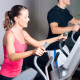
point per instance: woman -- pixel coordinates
(14, 42)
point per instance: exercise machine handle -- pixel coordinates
(72, 36)
(36, 65)
(60, 46)
(65, 34)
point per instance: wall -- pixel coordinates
(6, 5)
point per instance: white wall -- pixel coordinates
(6, 5)
(38, 26)
(75, 7)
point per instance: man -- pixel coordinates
(58, 19)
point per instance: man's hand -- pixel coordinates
(76, 27)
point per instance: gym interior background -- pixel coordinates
(38, 9)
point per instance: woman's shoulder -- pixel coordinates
(25, 32)
(9, 34)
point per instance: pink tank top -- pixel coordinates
(12, 69)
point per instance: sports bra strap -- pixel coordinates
(14, 34)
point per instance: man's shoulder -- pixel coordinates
(54, 9)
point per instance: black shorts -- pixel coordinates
(5, 78)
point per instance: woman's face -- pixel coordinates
(23, 18)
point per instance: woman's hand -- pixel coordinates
(39, 51)
(62, 37)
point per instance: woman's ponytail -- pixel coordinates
(7, 22)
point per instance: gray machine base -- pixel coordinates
(26, 75)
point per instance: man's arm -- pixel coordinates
(60, 30)
(75, 21)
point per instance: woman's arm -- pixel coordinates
(36, 43)
(17, 56)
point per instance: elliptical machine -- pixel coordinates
(74, 37)
(67, 69)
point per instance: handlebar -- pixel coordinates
(72, 36)
(36, 65)
(60, 46)
(38, 68)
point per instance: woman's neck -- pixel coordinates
(17, 28)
